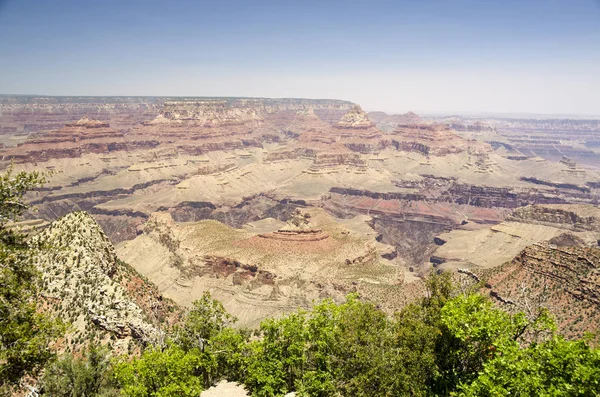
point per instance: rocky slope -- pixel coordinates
(542, 256)
(267, 267)
(565, 279)
(492, 246)
(85, 285)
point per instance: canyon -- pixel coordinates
(273, 204)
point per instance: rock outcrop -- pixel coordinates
(353, 132)
(572, 217)
(356, 118)
(73, 140)
(207, 113)
(563, 279)
(84, 283)
(430, 139)
(297, 229)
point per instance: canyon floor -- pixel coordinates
(274, 204)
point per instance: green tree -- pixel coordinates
(230, 349)
(25, 333)
(206, 319)
(329, 350)
(474, 333)
(362, 339)
(412, 360)
(205, 332)
(87, 376)
(552, 368)
(161, 373)
(278, 359)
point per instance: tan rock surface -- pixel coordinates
(491, 247)
(254, 276)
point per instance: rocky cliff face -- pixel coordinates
(84, 284)
(25, 115)
(73, 140)
(208, 113)
(563, 279)
(431, 139)
(573, 217)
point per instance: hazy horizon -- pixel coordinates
(432, 57)
(423, 113)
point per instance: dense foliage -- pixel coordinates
(201, 350)
(24, 332)
(446, 344)
(167, 372)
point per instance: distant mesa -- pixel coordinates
(87, 122)
(206, 113)
(459, 123)
(431, 139)
(86, 135)
(80, 127)
(410, 117)
(406, 118)
(355, 118)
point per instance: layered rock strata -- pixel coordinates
(563, 279)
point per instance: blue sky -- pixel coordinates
(518, 56)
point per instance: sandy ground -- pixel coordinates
(225, 389)
(230, 389)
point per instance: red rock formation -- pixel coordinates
(434, 139)
(563, 279)
(353, 131)
(25, 115)
(75, 139)
(296, 235)
(297, 230)
(188, 126)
